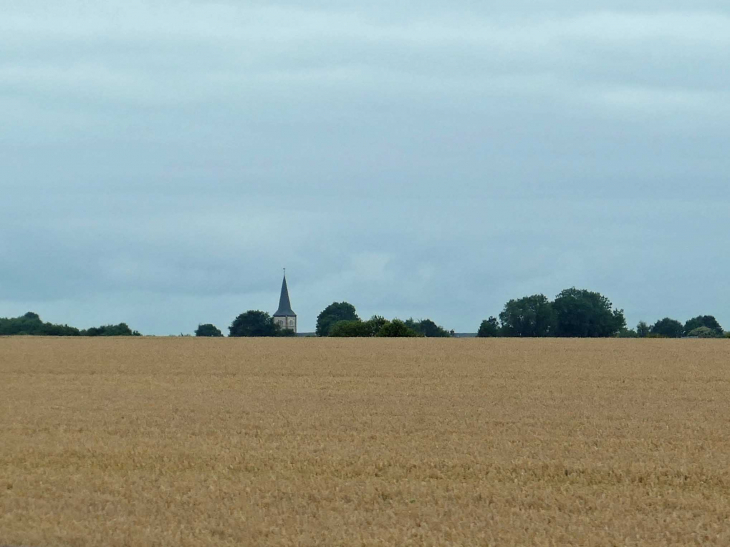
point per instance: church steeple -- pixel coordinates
(284, 316)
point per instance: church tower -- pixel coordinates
(284, 316)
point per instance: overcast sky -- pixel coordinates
(161, 162)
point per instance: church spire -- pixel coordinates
(284, 303)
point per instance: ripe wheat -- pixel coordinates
(209, 442)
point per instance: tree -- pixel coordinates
(31, 324)
(208, 330)
(253, 323)
(667, 328)
(704, 332)
(642, 329)
(702, 321)
(357, 328)
(489, 328)
(428, 328)
(585, 314)
(531, 316)
(627, 333)
(375, 323)
(337, 311)
(397, 329)
(350, 329)
(122, 329)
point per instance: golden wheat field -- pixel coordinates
(182, 442)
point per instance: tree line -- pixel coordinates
(574, 313)
(31, 324)
(339, 319)
(579, 313)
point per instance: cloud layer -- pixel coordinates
(161, 163)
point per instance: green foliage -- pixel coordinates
(31, 324)
(397, 329)
(254, 323)
(208, 330)
(643, 329)
(350, 329)
(668, 328)
(427, 328)
(704, 332)
(284, 333)
(585, 314)
(531, 316)
(357, 328)
(335, 312)
(375, 323)
(627, 333)
(489, 328)
(703, 321)
(122, 329)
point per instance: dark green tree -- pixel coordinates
(586, 314)
(337, 311)
(31, 324)
(704, 332)
(703, 321)
(208, 330)
(375, 323)
(357, 328)
(489, 328)
(397, 329)
(643, 329)
(122, 329)
(253, 323)
(428, 328)
(350, 329)
(667, 328)
(531, 316)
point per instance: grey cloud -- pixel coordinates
(161, 163)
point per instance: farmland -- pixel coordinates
(180, 441)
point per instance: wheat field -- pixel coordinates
(182, 442)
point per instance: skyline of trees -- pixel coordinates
(30, 324)
(574, 313)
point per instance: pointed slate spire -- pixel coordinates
(284, 304)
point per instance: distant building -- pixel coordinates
(284, 316)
